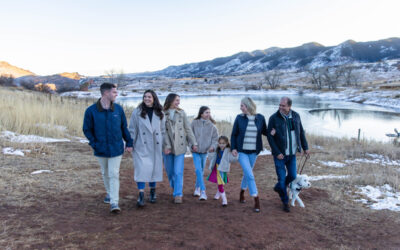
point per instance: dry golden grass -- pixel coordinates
(359, 174)
(28, 112)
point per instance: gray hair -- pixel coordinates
(251, 106)
(288, 100)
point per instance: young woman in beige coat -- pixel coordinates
(147, 128)
(178, 136)
(206, 134)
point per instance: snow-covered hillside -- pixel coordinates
(310, 55)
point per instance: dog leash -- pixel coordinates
(302, 162)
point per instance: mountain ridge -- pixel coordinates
(308, 55)
(14, 71)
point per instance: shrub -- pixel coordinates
(6, 80)
(46, 87)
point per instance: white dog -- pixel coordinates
(301, 181)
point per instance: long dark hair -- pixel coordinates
(228, 145)
(169, 100)
(201, 111)
(156, 105)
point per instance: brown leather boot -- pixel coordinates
(256, 204)
(241, 199)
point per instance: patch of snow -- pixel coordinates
(41, 171)
(321, 177)
(82, 94)
(333, 164)
(12, 151)
(80, 139)
(50, 126)
(383, 197)
(376, 97)
(317, 147)
(375, 159)
(13, 137)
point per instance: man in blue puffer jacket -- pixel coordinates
(105, 127)
(286, 136)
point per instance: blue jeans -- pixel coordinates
(288, 163)
(247, 161)
(174, 168)
(142, 185)
(199, 161)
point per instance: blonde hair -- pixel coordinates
(251, 106)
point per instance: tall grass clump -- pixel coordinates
(27, 112)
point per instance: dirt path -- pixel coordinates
(79, 220)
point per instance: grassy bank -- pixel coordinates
(28, 112)
(48, 115)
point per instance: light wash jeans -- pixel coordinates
(199, 161)
(110, 173)
(247, 161)
(174, 168)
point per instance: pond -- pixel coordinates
(321, 117)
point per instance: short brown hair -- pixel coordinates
(106, 86)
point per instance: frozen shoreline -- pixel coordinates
(378, 98)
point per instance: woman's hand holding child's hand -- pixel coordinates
(234, 152)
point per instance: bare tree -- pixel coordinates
(273, 78)
(315, 76)
(350, 77)
(121, 77)
(111, 75)
(331, 76)
(116, 77)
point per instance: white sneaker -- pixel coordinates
(196, 192)
(217, 195)
(224, 200)
(203, 196)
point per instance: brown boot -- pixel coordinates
(241, 199)
(256, 204)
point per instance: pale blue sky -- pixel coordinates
(91, 37)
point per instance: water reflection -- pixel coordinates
(325, 117)
(373, 124)
(340, 115)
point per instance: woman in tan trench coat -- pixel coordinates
(178, 137)
(147, 128)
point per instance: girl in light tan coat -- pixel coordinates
(178, 136)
